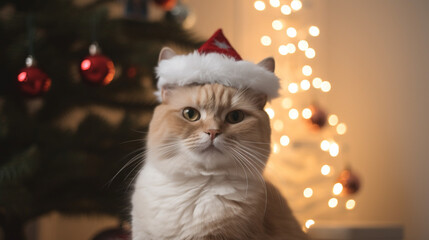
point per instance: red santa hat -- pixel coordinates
(216, 61)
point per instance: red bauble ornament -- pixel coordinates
(350, 181)
(97, 69)
(318, 117)
(33, 82)
(132, 72)
(113, 234)
(167, 5)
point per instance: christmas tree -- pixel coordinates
(64, 127)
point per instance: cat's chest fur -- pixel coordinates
(171, 208)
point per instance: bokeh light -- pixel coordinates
(284, 140)
(337, 189)
(302, 45)
(314, 31)
(308, 192)
(305, 84)
(275, 3)
(310, 53)
(283, 50)
(286, 10)
(277, 25)
(309, 223)
(278, 125)
(296, 5)
(293, 114)
(293, 88)
(276, 148)
(350, 204)
(334, 149)
(287, 103)
(291, 47)
(326, 86)
(333, 120)
(341, 128)
(325, 170)
(307, 70)
(266, 40)
(259, 5)
(291, 32)
(317, 82)
(306, 113)
(270, 112)
(324, 145)
(333, 202)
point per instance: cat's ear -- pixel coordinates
(268, 63)
(166, 93)
(260, 100)
(166, 53)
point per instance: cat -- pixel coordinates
(207, 147)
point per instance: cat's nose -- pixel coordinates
(213, 133)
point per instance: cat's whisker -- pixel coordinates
(167, 146)
(251, 150)
(239, 158)
(134, 178)
(254, 149)
(167, 152)
(257, 148)
(254, 158)
(250, 153)
(193, 146)
(246, 156)
(258, 142)
(259, 161)
(251, 157)
(192, 142)
(245, 160)
(141, 140)
(257, 173)
(236, 168)
(137, 131)
(262, 143)
(167, 149)
(244, 170)
(135, 175)
(129, 162)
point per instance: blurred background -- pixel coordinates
(350, 133)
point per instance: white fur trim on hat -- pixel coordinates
(196, 68)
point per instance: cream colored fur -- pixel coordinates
(192, 188)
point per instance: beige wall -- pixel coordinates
(378, 61)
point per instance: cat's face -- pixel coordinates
(203, 129)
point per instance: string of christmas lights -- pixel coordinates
(347, 183)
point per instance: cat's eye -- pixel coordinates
(191, 114)
(235, 116)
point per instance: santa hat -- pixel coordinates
(216, 61)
